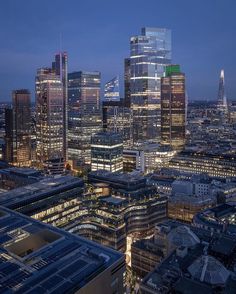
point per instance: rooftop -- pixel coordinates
(38, 258)
(22, 172)
(31, 191)
(113, 200)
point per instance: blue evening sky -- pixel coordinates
(96, 33)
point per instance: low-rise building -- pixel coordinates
(126, 205)
(184, 207)
(214, 164)
(145, 255)
(38, 258)
(147, 157)
(221, 218)
(195, 260)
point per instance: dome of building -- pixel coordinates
(209, 270)
(182, 236)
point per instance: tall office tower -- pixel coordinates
(18, 123)
(117, 118)
(85, 117)
(222, 104)
(173, 108)
(60, 68)
(107, 152)
(127, 76)
(49, 119)
(149, 54)
(112, 91)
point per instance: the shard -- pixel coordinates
(222, 101)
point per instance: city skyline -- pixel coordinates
(118, 148)
(203, 46)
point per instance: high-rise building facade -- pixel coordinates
(85, 115)
(117, 117)
(18, 122)
(60, 68)
(112, 90)
(107, 152)
(222, 101)
(173, 108)
(149, 54)
(127, 76)
(49, 116)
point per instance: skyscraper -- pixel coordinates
(49, 117)
(117, 118)
(60, 68)
(85, 116)
(149, 54)
(111, 90)
(173, 108)
(18, 122)
(222, 104)
(127, 76)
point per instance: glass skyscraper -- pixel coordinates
(49, 116)
(173, 108)
(127, 81)
(18, 133)
(111, 90)
(149, 54)
(85, 114)
(60, 68)
(117, 117)
(222, 101)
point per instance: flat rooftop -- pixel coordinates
(31, 191)
(113, 200)
(117, 176)
(21, 171)
(38, 258)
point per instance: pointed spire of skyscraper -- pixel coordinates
(222, 101)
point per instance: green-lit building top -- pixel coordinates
(173, 68)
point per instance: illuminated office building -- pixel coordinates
(147, 157)
(126, 206)
(85, 115)
(214, 164)
(184, 207)
(107, 152)
(173, 108)
(60, 68)
(49, 117)
(150, 52)
(18, 122)
(117, 117)
(37, 258)
(232, 112)
(112, 91)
